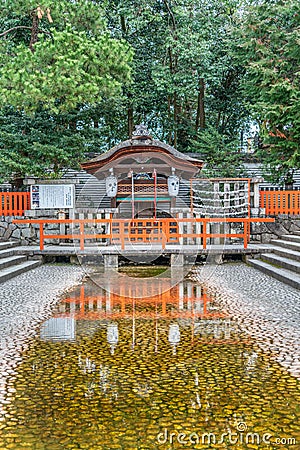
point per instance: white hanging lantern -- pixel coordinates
(111, 183)
(173, 185)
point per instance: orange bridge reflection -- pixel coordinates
(185, 306)
(185, 301)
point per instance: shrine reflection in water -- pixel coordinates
(121, 370)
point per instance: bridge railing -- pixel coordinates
(14, 203)
(280, 202)
(186, 231)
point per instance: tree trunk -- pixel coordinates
(218, 119)
(200, 119)
(130, 119)
(175, 120)
(123, 25)
(242, 141)
(34, 31)
(169, 120)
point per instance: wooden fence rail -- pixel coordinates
(14, 203)
(128, 231)
(280, 202)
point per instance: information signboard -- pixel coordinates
(59, 329)
(52, 196)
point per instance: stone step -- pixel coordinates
(284, 275)
(286, 244)
(11, 261)
(287, 253)
(10, 272)
(8, 244)
(8, 252)
(290, 237)
(281, 261)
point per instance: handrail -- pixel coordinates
(14, 203)
(122, 231)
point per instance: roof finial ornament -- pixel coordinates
(141, 132)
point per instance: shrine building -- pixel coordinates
(144, 178)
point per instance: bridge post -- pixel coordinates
(226, 226)
(189, 227)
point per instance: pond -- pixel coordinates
(129, 368)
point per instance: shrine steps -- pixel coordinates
(12, 263)
(284, 261)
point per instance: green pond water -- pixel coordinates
(110, 371)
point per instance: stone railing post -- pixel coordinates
(255, 207)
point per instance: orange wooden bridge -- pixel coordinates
(122, 232)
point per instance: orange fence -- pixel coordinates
(280, 202)
(163, 231)
(14, 203)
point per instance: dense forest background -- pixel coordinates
(77, 76)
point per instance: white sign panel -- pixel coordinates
(52, 196)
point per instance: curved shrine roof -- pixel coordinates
(140, 144)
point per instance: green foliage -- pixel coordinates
(269, 41)
(58, 61)
(190, 70)
(178, 48)
(83, 15)
(73, 62)
(42, 145)
(219, 153)
(71, 69)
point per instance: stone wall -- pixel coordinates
(265, 232)
(25, 234)
(28, 234)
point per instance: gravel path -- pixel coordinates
(265, 308)
(25, 302)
